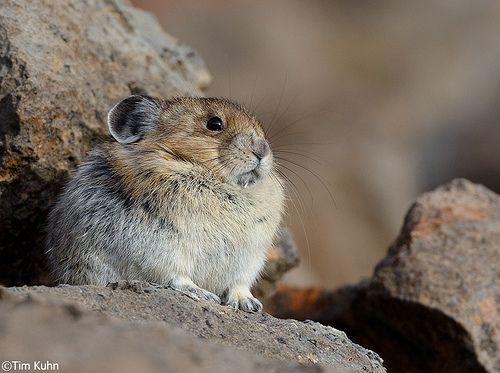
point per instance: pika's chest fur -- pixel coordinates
(188, 222)
(209, 218)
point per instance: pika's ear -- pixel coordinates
(132, 117)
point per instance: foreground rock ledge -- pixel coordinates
(433, 302)
(306, 343)
(81, 341)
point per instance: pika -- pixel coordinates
(186, 197)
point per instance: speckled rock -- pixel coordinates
(281, 257)
(62, 66)
(306, 343)
(433, 302)
(82, 341)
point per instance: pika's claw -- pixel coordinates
(232, 304)
(241, 298)
(250, 304)
(199, 293)
(187, 287)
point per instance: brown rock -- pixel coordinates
(315, 304)
(433, 302)
(82, 341)
(281, 257)
(62, 66)
(291, 341)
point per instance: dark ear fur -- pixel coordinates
(132, 117)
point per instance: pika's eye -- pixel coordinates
(215, 124)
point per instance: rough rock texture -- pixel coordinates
(433, 302)
(281, 257)
(81, 341)
(62, 66)
(288, 340)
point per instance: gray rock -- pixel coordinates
(62, 66)
(443, 274)
(82, 341)
(261, 334)
(281, 257)
(433, 302)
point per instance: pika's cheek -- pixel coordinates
(237, 158)
(267, 161)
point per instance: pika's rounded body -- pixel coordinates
(152, 210)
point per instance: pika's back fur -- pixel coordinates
(186, 197)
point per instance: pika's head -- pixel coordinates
(211, 132)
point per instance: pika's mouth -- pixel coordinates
(249, 178)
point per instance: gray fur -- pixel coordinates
(196, 233)
(132, 117)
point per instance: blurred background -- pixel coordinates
(367, 103)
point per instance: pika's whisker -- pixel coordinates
(311, 199)
(322, 180)
(316, 160)
(138, 208)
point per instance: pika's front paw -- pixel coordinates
(193, 291)
(244, 300)
(247, 304)
(134, 285)
(199, 293)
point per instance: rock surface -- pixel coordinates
(62, 66)
(433, 302)
(290, 341)
(281, 257)
(80, 341)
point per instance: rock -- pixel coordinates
(317, 304)
(62, 66)
(281, 257)
(433, 302)
(259, 334)
(82, 341)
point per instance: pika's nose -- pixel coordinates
(261, 149)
